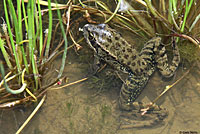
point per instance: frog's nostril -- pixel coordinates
(80, 29)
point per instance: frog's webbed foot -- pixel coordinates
(137, 118)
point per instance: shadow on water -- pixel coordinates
(91, 107)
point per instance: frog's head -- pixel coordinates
(96, 35)
(94, 29)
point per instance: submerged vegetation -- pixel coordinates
(28, 51)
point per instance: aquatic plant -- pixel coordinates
(26, 51)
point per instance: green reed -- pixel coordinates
(26, 49)
(8, 27)
(143, 22)
(66, 44)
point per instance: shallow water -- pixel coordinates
(91, 107)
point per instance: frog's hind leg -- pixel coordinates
(132, 114)
(131, 89)
(134, 118)
(164, 68)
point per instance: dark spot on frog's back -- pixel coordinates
(138, 62)
(143, 63)
(129, 63)
(96, 34)
(107, 45)
(123, 42)
(133, 57)
(109, 40)
(118, 44)
(129, 50)
(116, 38)
(137, 71)
(133, 64)
(126, 56)
(141, 70)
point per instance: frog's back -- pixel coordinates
(114, 45)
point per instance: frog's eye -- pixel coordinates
(91, 36)
(102, 25)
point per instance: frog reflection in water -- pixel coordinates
(110, 47)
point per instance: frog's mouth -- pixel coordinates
(90, 38)
(92, 41)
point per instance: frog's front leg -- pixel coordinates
(131, 89)
(96, 65)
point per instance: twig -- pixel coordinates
(144, 110)
(70, 84)
(32, 114)
(193, 40)
(76, 44)
(115, 12)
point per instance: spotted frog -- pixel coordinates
(112, 48)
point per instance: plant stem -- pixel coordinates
(11, 38)
(66, 44)
(49, 30)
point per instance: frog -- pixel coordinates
(109, 46)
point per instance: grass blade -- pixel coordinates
(40, 28)
(66, 44)
(5, 54)
(11, 38)
(187, 10)
(30, 10)
(195, 21)
(49, 30)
